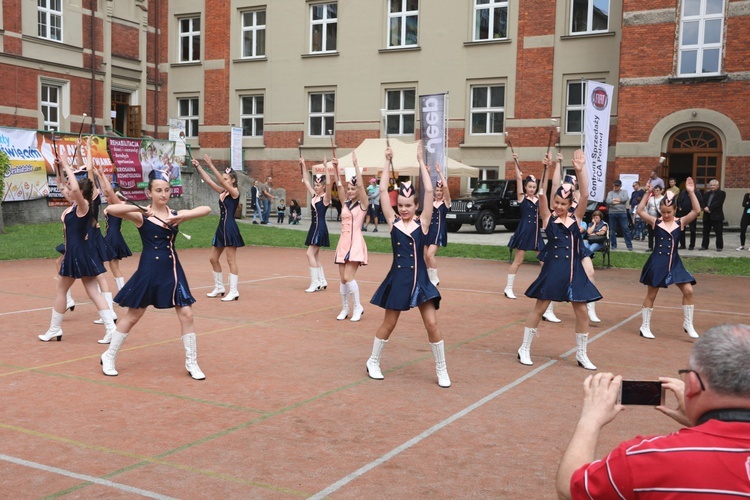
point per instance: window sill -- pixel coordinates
(597, 34)
(320, 54)
(250, 59)
(51, 43)
(474, 43)
(400, 49)
(697, 79)
(185, 64)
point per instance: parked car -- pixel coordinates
(492, 202)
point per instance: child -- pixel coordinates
(664, 267)
(280, 209)
(407, 284)
(563, 277)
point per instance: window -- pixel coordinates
(322, 106)
(487, 109)
(490, 19)
(403, 21)
(251, 114)
(399, 111)
(485, 174)
(50, 103)
(254, 34)
(190, 39)
(49, 19)
(576, 106)
(701, 30)
(323, 27)
(187, 109)
(589, 16)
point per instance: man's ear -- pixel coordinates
(692, 385)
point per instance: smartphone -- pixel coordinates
(641, 392)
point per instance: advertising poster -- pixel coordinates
(596, 132)
(26, 178)
(134, 159)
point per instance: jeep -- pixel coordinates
(491, 202)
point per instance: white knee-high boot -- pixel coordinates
(110, 355)
(524, 352)
(54, 331)
(109, 323)
(344, 291)
(438, 351)
(357, 309)
(120, 282)
(69, 302)
(233, 293)
(373, 364)
(110, 304)
(687, 324)
(591, 307)
(314, 280)
(645, 329)
(508, 292)
(322, 278)
(549, 315)
(191, 356)
(582, 340)
(218, 286)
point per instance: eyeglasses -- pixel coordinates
(700, 381)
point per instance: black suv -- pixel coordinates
(491, 202)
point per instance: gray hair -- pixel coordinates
(721, 357)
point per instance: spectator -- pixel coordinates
(639, 228)
(295, 212)
(595, 232)
(684, 205)
(267, 198)
(745, 221)
(255, 202)
(280, 212)
(708, 457)
(393, 195)
(617, 201)
(655, 180)
(673, 186)
(335, 201)
(373, 207)
(713, 216)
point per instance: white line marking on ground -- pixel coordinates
(359, 472)
(83, 477)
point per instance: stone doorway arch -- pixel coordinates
(694, 152)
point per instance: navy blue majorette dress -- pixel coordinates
(664, 266)
(116, 245)
(438, 234)
(407, 284)
(228, 233)
(317, 235)
(562, 277)
(528, 234)
(79, 258)
(159, 280)
(96, 240)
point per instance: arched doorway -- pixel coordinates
(694, 152)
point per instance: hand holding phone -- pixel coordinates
(641, 392)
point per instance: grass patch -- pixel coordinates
(35, 241)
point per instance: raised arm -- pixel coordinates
(364, 201)
(557, 173)
(579, 163)
(90, 168)
(428, 195)
(696, 206)
(107, 190)
(75, 190)
(340, 186)
(207, 178)
(446, 191)
(388, 212)
(327, 194)
(233, 191)
(519, 179)
(303, 172)
(641, 210)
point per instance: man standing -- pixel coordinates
(707, 458)
(255, 202)
(373, 207)
(684, 206)
(617, 203)
(713, 216)
(267, 198)
(638, 227)
(655, 180)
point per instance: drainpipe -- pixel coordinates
(157, 73)
(92, 104)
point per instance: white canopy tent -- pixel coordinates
(371, 158)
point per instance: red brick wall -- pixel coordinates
(125, 41)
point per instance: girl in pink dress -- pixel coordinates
(351, 251)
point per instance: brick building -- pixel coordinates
(290, 70)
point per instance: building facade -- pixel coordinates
(288, 72)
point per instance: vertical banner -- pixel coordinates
(236, 148)
(433, 129)
(26, 179)
(177, 135)
(596, 132)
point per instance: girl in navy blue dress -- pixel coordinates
(317, 235)
(407, 284)
(664, 267)
(562, 277)
(159, 280)
(79, 260)
(528, 234)
(227, 237)
(438, 235)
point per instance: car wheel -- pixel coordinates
(453, 227)
(485, 223)
(511, 226)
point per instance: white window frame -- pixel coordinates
(485, 174)
(402, 17)
(324, 25)
(191, 35)
(487, 109)
(492, 6)
(575, 108)
(589, 17)
(254, 30)
(50, 20)
(701, 47)
(252, 115)
(47, 104)
(402, 113)
(191, 117)
(325, 116)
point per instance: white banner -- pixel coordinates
(177, 135)
(236, 148)
(433, 126)
(596, 133)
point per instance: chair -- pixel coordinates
(605, 249)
